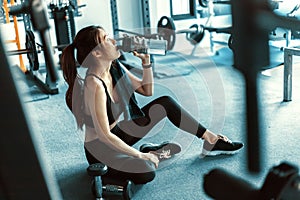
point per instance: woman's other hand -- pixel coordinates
(151, 157)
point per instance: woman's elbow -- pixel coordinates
(145, 90)
(148, 93)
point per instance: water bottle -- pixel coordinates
(149, 46)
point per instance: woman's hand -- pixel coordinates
(144, 57)
(140, 43)
(151, 157)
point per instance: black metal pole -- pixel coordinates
(251, 53)
(254, 136)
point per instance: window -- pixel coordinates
(183, 9)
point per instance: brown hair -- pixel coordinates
(84, 42)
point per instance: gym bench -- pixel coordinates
(287, 75)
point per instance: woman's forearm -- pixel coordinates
(147, 81)
(119, 145)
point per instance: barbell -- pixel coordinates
(167, 31)
(194, 34)
(32, 49)
(166, 28)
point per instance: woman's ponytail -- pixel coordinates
(68, 65)
(84, 42)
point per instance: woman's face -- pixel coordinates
(108, 46)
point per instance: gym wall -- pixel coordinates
(95, 12)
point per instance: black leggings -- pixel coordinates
(139, 171)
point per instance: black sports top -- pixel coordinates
(113, 109)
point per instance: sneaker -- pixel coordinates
(164, 150)
(222, 146)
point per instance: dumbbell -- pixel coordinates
(109, 191)
(116, 190)
(97, 170)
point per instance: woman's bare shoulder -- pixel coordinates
(94, 84)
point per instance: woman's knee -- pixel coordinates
(165, 99)
(169, 104)
(146, 172)
(143, 178)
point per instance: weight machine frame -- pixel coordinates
(44, 83)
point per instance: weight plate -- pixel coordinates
(197, 36)
(203, 3)
(230, 42)
(32, 54)
(166, 28)
(2, 15)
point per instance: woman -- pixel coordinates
(107, 92)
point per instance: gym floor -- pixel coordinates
(213, 92)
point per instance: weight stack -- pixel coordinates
(64, 25)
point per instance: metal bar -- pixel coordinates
(10, 41)
(288, 72)
(26, 21)
(254, 136)
(18, 52)
(17, 37)
(5, 6)
(147, 29)
(26, 18)
(187, 31)
(146, 16)
(114, 16)
(292, 51)
(130, 32)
